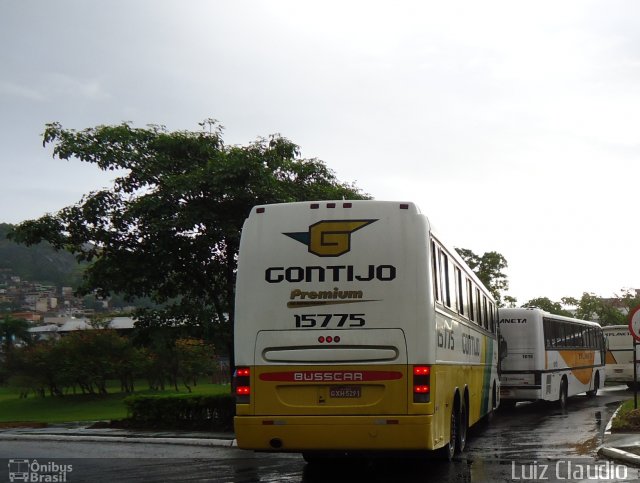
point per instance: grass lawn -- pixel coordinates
(627, 419)
(80, 407)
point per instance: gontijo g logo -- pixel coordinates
(329, 238)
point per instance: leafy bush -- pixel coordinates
(87, 359)
(182, 411)
(626, 419)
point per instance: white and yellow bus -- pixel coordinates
(358, 330)
(619, 359)
(548, 357)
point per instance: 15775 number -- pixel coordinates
(307, 321)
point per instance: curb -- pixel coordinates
(121, 439)
(616, 453)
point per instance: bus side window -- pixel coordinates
(478, 308)
(560, 333)
(444, 277)
(457, 279)
(472, 312)
(546, 330)
(564, 337)
(587, 337)
(492, 317)
(571, 336)
(436, 272)
(600, 340)
(553, 332)
(559, 330)
(485, 313)
(577, 335)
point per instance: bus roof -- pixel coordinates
(388, 208)
(615, 327)
(543, 313)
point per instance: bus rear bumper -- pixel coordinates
(336, 433)
(520, 393)
(619, 373)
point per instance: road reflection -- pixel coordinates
(389, 470)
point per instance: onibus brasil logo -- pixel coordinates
(329, 238)
(34, 471)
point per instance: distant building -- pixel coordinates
(42, 305)
(121, 323)
(65, 325)
(44, 332)
(55, 320)
(72, 325)
(28, 316)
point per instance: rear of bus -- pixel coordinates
(522, 357)
(328, 303)
(619, 358)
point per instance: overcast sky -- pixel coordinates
(515, 126)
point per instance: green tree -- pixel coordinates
(11, 330)
(588, 306)
(169, 227)
(489, 268)
(510, 301)
(606, 311)
(629, 299)
(547, 305)
(195, 358)
(97, 356)
(40, 368)
(84, 359)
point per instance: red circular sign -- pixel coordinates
(634, 323)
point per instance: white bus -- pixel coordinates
(358, 330)
(548, 357)
(619, 360)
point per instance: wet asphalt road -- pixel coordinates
(514, 446)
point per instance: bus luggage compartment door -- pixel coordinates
(335, 372)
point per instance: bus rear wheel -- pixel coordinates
(596, 386)
(461, 441)
(448, 451)
(563, 397)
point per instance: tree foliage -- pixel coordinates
(547, 305)
(606, 311)
(86, 360)
(13, 329)
(169, 227)
(489, 268)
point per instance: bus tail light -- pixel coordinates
(421, 384)
(242, 385)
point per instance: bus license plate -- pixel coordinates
(344, 391)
